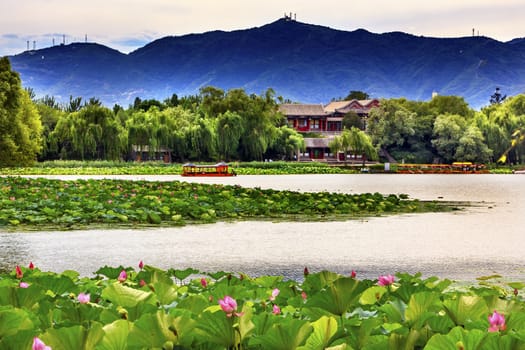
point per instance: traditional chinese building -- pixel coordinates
(323, 121)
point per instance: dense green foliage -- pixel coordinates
(82, 203)
(236, 126)
(445, 129)
(20, 127)
(145, 307)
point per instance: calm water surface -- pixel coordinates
(486, 238)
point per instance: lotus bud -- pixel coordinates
(122, 276)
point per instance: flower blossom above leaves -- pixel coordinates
(39, 345)
(229, 306)
(353, 274)
(122, 276)
(303, 295)
(385, 280)
(23, 285)
(275, 293)
(19, 273)
(204, 283)
(31, 266)
(83, 298)
(141, 264)
(497, 322)
(276, 310)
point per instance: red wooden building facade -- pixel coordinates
(327, 121)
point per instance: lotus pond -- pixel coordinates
(147, 307)
(160, 168)
(37, 203)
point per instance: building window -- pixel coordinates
(315, 124)
(302, 123)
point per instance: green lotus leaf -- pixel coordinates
(457, 338)
(194, 303)
(21, 297)
(14, 320)
(372, 295)
(287, 334)
(75, 337)
(57, 284)
(465, 309)
(215, 327)
(338, 296)
(422, 306)
(324, 329)
(115, 336)
(131, 302)
(394, 310)
(183, 274)
(317, 281)
(153, 330)
(23, 339)
(110, 272)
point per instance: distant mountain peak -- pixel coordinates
(300, 61)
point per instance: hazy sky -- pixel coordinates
(128, 24)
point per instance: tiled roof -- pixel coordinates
(332, 106)
(293, 109)
(317, 142)
(343, 105)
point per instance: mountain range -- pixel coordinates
(302, 62)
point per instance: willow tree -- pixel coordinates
(260, 122)
(287, 143)
(20, 125)
(354, 141)
(91, 133)
(161, 130)
(228, 130)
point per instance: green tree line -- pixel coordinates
(234, 125)
(445, 129)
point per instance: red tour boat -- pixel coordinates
(219, 169)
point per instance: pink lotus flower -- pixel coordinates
(141, 264)
(303, 295)
(39, 345)
(19, 273)
(497, 322)
(385, 280)
(142, 283)
(31, 266)
(306, 272)
(204, 283)
(353, 274)
(275, 293)
(23, 285)
(229, 306)
(122, 276)
(83, 298)
(276, 310)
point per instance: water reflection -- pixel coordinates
(483, 240)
